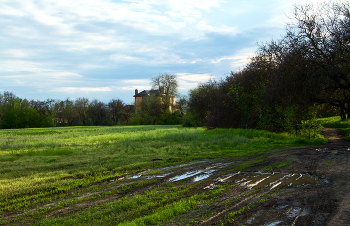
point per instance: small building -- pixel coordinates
(142, 96)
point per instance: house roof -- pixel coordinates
(147, 93)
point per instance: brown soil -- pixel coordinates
(326, 203)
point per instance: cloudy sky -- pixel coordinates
(105, 49)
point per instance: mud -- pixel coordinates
(311, 189)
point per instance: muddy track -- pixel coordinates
(300, 186)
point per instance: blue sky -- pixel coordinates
(105, 49)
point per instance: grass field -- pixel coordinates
(48, 169)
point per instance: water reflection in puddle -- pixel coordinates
(273, 180)
(200, 174)
(274, 223)
(186, 175)
(135, 177)
(203, 176)
(294, 213)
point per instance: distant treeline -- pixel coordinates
(22, 113)
(154, 110)
(289, 82)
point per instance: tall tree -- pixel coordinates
(81, 105)
(324, 31)
(151, 110)
(118, 110)
(167, 85)
(98, 112)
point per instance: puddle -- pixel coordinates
(203, 176)
(275, 180)
(164, 169)
(274, 223)
(186, 175)
(200, 174)
(135, 177)
(282, 207)
(250, 220)
(244, 179)
(272, 180)
(294, 213)
(157, 176)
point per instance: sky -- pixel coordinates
(105, 49)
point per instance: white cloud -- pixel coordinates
(82, 89)
(239, 60)
(221, 29)
(17, 53)
(38, 70)
(197, 78)
(123, 57)
(135, 81)
(189, 81)
(179, 5)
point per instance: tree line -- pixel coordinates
(155, 109)
(22, 113)
(289, 82)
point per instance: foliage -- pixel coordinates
(167, 85)
(287, 81)
(21, 113)
(119, 111)
(18, 113)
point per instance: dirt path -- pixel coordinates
(334, 136)
(341, 216)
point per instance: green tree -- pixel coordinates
(81, 105)
(98, 112)
(118, 110)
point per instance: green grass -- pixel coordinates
(48, 165)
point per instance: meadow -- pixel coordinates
(44, 170)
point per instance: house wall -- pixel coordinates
(172, 103)
(138, 101)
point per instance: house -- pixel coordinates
(142, 96)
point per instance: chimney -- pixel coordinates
(136, 92)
